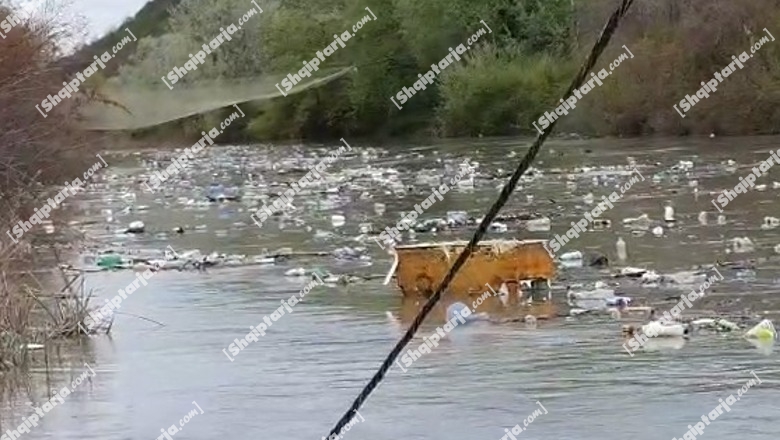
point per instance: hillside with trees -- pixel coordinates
(506, 81)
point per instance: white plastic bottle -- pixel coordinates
(621, 249)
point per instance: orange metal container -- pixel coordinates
(421, 267)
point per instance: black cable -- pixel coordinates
(506, 191)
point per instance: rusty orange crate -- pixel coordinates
(421, 267)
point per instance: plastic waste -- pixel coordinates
(742, 245)
(365, 228)
(457, 218)
(658, 231)
(658, 329)
(497, 227)
(669, 214)
(725, 325)
(651, 276)
(538, 224)
(110, 261)
(717, 324)
(338, 220)
(622, 253)
(763, 330)
(641, 222)
(295, 272)
(703, 217)
(618, 301)
(588, 199)
(770, 223)
(570, 256)
(632, 272)
(136, 227)
(601, 223)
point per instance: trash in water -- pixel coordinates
(721, 219)
(573, 255)
(136, 227)
(338, 220)
(379, 208)
(456, 309)
(763, 330)
(621, 249)
(457, 218)
(770, 223)
(669, 214)
(703, 217)
(497, 227)
(348, 253)
(365, 228)
(601, 223)
(631, 272)
(742, 245)
(658, 329)
(295, 272)
(658, 231)
(588, 199)
(641, 222)
(538, 224)
(218, 193)
(111, 261)
(716, 324)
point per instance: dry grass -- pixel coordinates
(36, 153)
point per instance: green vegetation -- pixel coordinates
(503, 83)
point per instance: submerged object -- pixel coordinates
(763, 330)
(421, 266)
(218, 193)
(457, 309)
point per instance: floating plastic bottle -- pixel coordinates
(621, 249)
(669, 214)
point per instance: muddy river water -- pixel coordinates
(297, 380)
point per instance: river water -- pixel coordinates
(297, 380)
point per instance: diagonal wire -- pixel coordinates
(506, 191)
